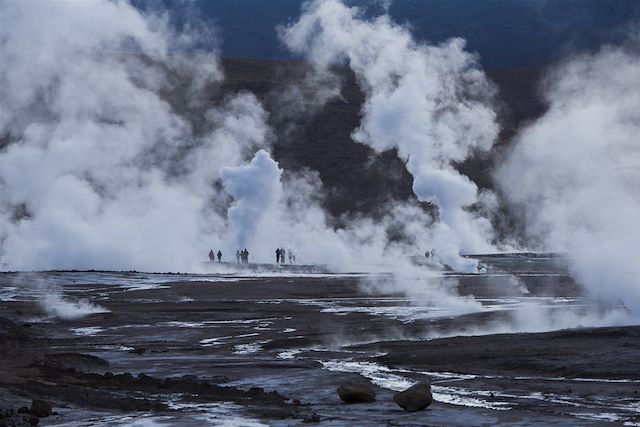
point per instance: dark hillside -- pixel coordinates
(357, 179)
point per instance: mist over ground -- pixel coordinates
(128, 145)
(455, 231)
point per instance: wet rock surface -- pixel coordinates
(203, 350)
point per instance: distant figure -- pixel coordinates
(212, 257)
(290, 256)
(246, 256)
(237, 257)
(219, 256)
(277, 255)
(427, 254)
(283, 255)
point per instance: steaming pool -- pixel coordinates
(517, 345)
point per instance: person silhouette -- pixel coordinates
(219, 255)
(211, 256)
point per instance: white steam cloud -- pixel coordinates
(256, 189)
(100, 170)
(110, 162)
(103, 170)
(111, 156)
(574, 174)
(56, 305)
(432, 103)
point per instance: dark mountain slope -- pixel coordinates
(357, 179)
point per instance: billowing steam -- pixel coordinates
(256, 189)
(113, 156)
(56, 305)
(574, 174)
(100, 171)
(110, 161)
(432, 103)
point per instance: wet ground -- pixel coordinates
(260, 347)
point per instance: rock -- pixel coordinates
(255, 391)
(74, 361)
(125, 378)
(415, 398)
(9, 331)
(313, 418)
(145, 379)
(20, 418)
(138, 350)
(357, 392)
(41, 408)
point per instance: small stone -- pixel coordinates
(314, 418)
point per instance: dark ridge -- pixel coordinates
(357, 180)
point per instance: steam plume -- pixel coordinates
(100, 170)
(256, 189)
(574, 175)
(430, 102)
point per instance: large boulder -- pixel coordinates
(415, 398)
(41, 408)
(357, 392)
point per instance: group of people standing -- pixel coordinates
(242, 256)
(281, 256)
(212, 256)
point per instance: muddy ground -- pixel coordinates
(235, 349)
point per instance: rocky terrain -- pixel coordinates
(256, 350)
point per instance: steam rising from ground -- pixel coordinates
(103, 171)
(62, 308)
(256, 189)
(430, 102)
(103, 165)
(574, 174)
